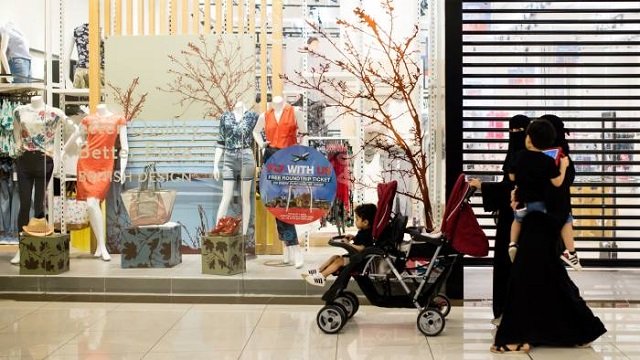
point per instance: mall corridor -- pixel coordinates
(75, 330)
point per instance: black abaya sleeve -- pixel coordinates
(496, 195)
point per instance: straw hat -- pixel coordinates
(38, 227)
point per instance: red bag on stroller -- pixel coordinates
(460, 225)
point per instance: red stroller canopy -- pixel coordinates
(386, 195)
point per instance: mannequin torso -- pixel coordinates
(278, 108)
(37, 126)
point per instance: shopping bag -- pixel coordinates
(76, 216)
(149, 206)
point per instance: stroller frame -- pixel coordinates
(381, 270)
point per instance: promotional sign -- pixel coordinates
(298, 185)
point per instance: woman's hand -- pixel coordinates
(476, 183)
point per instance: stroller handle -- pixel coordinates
(337, 242)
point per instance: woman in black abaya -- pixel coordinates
(496, 197)
(543, 306)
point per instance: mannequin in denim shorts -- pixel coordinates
(234, 153)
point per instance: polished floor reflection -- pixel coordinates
(71, 330)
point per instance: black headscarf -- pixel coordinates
(517, 126)
(561, 132)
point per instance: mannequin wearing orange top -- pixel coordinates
(282, 125)
(95, 167)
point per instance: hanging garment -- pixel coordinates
(371, 177)
(340, 163)
(7, 140)
(95, 166)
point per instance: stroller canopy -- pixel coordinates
(386, 195)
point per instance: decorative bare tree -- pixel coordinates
(214, 75)
(372, 84)
(131, 105)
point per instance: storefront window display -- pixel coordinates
(178, 183)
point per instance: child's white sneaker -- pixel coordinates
(315, 280)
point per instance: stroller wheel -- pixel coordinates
(430, 322)
(349, 302)
(331, 318)
(442, 303)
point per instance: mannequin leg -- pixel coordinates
(227, 194)
(246, 205)
(97, 226)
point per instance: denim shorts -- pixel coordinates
(238, 162)
(20, 69)
(539, 206)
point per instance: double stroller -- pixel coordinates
(394, 273)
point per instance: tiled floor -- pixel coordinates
(59, 330)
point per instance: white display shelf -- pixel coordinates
(71, 92)
(7, 88)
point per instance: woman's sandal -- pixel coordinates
(511, 348)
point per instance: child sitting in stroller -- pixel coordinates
(365, 215)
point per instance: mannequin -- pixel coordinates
(80, 42)
(282, 125)
(14, 46)
(35, 128)
(235, 149)
(95, 166)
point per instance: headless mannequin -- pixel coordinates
(292, 253)
(71, 43)
(227, 185)
(96, 220)
(37, 105)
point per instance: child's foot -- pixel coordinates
(513, 249)
(572, 259)
(315, 280)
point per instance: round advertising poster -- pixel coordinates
(297, 185)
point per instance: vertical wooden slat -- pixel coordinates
(195, 8)
(129, 17)
(185, 16)
(207, 17)
(276, 47)
(173, 22)
(263, 55)
(163, 17)
(107, 18)
(94, 54)
(241, 16)
(151, 14)
(219, 16)
(229, 17)
(141, 17)
(118, 18)
(252, 17)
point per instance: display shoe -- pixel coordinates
(286, 258)
(15, 260)
(298, 256)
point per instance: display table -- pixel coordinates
(151, 246)
(44, 255)
(223, 255)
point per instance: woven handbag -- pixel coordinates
(149, 206)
